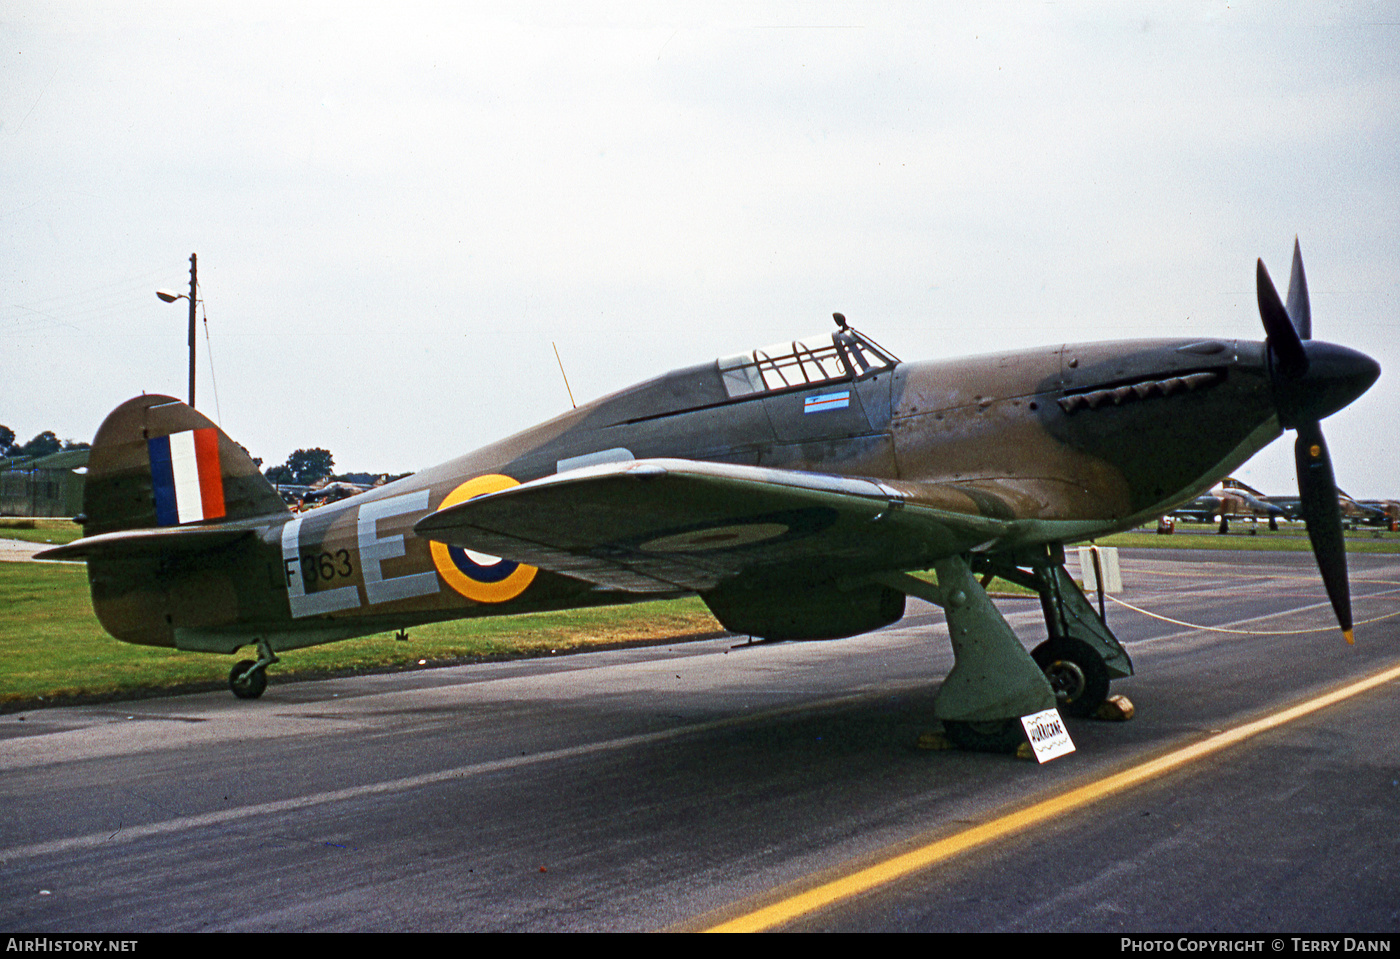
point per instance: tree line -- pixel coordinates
(45, 444)
(305, 467)
(302, 468)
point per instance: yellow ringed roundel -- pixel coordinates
(485, 579)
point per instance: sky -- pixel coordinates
(401, 211)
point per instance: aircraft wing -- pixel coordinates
(1195, 514)
(661, 525)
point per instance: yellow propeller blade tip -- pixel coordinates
(1350, 640)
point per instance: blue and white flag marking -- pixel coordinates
(827, 401)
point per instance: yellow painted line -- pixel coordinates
(898, 867)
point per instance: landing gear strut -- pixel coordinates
(994, 681)
(248, 678)
(1082, 656)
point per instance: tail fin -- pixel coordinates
(157, 462)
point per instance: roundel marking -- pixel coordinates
(715, 537)
(479, 576)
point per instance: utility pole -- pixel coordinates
(194, 284)
(169, 296)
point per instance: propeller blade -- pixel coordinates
(1290, 359)
(1317, 489)
(1311, 380)
(1299, 310)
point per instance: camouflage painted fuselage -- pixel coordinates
(1054, 445)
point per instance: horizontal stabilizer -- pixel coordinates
(140, 543)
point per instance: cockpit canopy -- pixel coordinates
(825, 358)
(844, 354)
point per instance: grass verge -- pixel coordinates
(1293, 539)
(49, 531)
(53, 649)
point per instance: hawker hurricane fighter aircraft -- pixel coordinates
(794, 489)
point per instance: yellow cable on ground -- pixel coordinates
(1244, 632)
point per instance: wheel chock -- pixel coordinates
(1116, 709)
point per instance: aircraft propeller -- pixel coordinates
(1312, 380)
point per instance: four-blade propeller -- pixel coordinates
(1312, 380)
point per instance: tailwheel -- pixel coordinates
(1076, 672)
(248, 679)
(990, 736)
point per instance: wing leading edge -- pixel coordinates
(663, 525)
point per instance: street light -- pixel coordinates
(170, 297)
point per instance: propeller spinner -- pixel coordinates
(1312, 380)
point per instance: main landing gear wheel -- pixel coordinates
(247, 682)
(992, 736)
(1076, 672)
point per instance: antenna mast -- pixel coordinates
(563, 374)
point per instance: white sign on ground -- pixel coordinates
(1048, 736)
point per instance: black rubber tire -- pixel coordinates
(994, 736)
(1076, 673)
(250, 686)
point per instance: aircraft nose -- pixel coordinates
(1336, 376)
